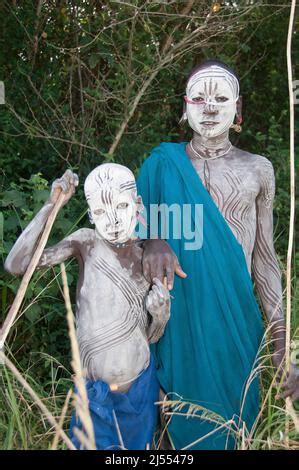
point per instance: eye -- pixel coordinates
(221, 99)
(99, 211)
(122, 205)
(198, 99)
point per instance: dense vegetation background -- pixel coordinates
(91, 81)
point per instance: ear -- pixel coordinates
(239, 117)
(139, 203)
(90, 217)
(183, 118)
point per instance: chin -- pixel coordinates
(115, 241)
(120, 240)
(125, 238)
(212, 132)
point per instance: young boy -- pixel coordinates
(118, 314)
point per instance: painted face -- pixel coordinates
(110, 191)
(211, 97)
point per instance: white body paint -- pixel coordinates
(112, 322)
(118, 312)
(110, 191)
(212, 94)
(241, 184)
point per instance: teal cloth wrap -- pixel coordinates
(215, 329)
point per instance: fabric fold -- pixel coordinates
(136, 413)
(212, 339)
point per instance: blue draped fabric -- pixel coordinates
(135, 412)
(212, 338)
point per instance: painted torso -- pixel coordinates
(111, 314)
(234, 182)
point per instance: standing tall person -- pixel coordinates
(212, 340)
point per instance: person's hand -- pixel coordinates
(290, 385)
(158, 306)
(66, 184)
(159, 261)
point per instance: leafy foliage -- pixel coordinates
(88, 82)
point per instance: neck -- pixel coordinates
(211, 147)
(123, 248)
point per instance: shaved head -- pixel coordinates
(110, 191)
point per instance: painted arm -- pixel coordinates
(267, 276)
(21, 253)
(265, 266)
(158, 306)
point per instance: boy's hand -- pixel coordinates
(158, 305)
(66, 184)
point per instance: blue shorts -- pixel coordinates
(135, 412)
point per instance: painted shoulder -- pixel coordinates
(83, 236)
(254, 157)
(263, 170)
(259, 163)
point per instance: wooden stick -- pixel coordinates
(29, 271)
(289, 406)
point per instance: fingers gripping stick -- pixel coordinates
(66, 184)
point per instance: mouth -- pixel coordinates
(115, 233)
(209, 123)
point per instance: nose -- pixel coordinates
(112, 218)
(210, 109)
(113, 221)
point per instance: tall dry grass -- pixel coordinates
(24, 424)
(276, 426)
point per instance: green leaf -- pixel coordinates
(93, 60)
(13, 197)
(33, 313)
(11, 224)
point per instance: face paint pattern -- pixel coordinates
(110, 191)
(211, 96)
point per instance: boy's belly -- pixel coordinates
(118, 362)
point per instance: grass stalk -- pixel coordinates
(36, 399)
(80, 398)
